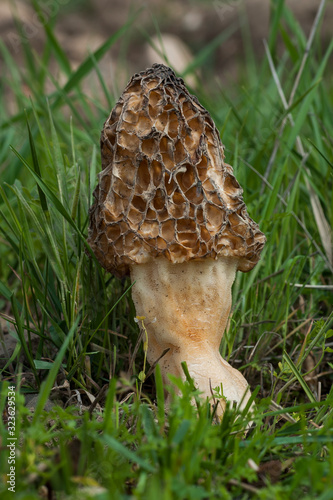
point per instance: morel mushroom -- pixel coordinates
(169, 212)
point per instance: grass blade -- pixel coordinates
(299, 377)
(42, 196)
(89, 63)
(112, 443)
(49, 382)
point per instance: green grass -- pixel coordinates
(104, 434)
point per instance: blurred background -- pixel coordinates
(221, 37)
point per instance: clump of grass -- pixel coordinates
(77, 352)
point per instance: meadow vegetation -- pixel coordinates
(90, 414)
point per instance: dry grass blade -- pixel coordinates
(286, 416)
(323, 226)
(153, 366)
(292, 213)
(244, 486)
(313, 287)
(296, 83)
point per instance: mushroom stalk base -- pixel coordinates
(186, 308)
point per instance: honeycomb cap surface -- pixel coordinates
(164, 189)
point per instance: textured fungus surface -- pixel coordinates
(186, 308)
(164, 189)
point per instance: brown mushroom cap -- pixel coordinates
(164, 189)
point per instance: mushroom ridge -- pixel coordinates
(164, 189)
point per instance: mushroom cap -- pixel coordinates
(164, 189)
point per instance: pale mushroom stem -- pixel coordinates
(186, 308)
